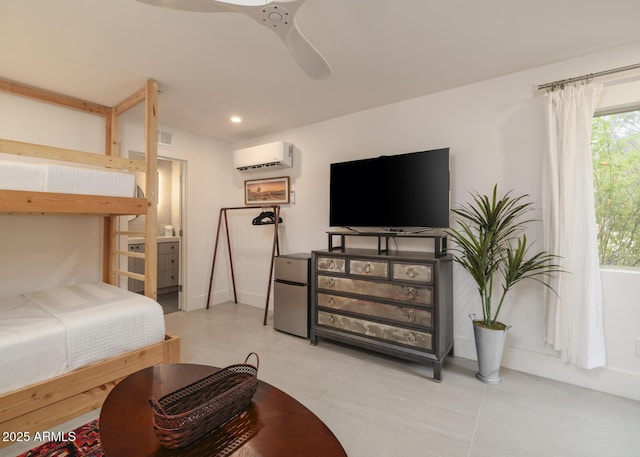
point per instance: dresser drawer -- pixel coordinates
(167, 278)
(168, 261)
(413, 338)
(369, 268)
(412, 272)
(331, 264)
(391, 291)
(165, 248)
(139, 247)
(397, 313)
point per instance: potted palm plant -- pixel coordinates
(491, 245)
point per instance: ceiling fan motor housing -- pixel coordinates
(275, 16)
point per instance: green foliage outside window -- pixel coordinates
(616, 170)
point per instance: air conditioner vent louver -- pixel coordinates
(165, 138)
(263, 165)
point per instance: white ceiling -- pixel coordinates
(212, 65)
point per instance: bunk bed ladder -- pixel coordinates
(117, 254)
(113, 255)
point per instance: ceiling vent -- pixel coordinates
(165, 138)
(271, 155)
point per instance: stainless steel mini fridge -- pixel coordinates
(291, 294)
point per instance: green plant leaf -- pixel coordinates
(490, 244)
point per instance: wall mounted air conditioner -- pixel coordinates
(271, 155)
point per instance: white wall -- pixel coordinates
(496, 135)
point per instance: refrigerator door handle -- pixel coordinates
(291, 283)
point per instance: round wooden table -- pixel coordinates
(274, 425)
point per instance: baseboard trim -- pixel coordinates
(604, 379)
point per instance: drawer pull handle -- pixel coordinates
(332, 264)
(411, 315)
(411, 338)
(331, 283)
(411, 273)
(331, 302)
(412, 293)
(332, 319)
(368, 268)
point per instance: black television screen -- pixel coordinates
(391, 192)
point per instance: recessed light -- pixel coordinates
(236, 119)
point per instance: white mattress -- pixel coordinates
(68, 179)
(50, 332)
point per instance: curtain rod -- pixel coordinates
(588, 77)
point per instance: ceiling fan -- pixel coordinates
(278, 16)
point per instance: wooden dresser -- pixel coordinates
(399, 304)
(168, 266)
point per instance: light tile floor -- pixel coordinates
(169, 302)
(381, 406)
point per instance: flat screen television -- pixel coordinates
(403, 192)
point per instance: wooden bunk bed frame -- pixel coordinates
(39, 406)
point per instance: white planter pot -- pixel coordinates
(489, 347)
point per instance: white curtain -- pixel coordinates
(574, 315)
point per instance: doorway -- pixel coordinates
(171, 229)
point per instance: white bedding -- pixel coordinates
(68, 179)
(28, 333)
(47, 333)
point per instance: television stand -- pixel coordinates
(439, 238)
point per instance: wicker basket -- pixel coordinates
(185, 415)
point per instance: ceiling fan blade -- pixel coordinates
(278, 16)
(307, 56)
(198, 6)
(212, 6)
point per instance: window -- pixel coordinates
(616, 169)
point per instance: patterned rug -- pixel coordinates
(81, 442)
